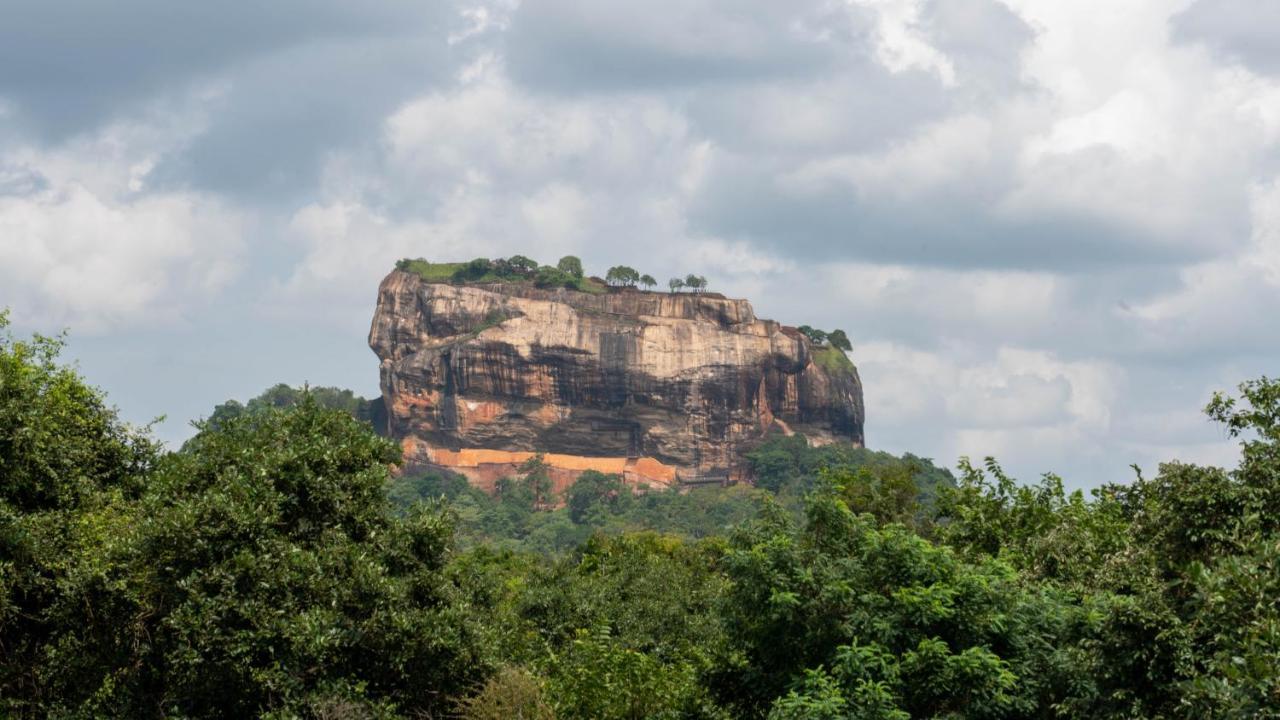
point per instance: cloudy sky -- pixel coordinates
(1050, 228)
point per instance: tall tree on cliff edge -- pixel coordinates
(571, 265)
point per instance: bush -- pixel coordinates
(473, 271)
(522, 266)
(549, 277)
(595, 678)
(511, 694)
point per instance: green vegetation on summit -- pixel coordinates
(567, 273)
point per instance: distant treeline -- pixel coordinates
(519, 516)
(283, 396)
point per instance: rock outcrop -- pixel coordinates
(662, 388)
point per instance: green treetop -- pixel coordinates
(622, 276)
(571, 265)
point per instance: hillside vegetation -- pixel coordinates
(273, 567)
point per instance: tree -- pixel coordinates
(256, 571)
(649, 599)
(695, 282)
(647, 281)
(68, 464)
(60, 443)
(675, 284)
(589, 490)
(839, 340)
(502, 268)
(549, 277)
(623, 276)
(570, 265)
(818, 337)
(268, 575)
(887, 493)
(522, 265)
(282, 396)
(594, 677)
(474, 270)
(537, 478)
(875, 621)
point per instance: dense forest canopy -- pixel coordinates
(282, 396)
(275, 567)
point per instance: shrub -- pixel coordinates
(549, 277)
(513, 693)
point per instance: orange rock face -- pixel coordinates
(484, 468)
(659, 388)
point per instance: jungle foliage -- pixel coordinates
(274, 567)
(282, 396)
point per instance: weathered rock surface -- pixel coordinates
(670, 386)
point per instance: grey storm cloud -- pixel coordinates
(1244, 30)
(299, 78)
(984, 39)
(744, 70)
(69, 65)
(284, 112)
(570, 46)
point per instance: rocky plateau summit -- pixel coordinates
(661, 388)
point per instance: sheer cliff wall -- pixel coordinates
(661, 388)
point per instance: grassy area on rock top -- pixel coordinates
(457, 272)
(833, 360)
(432, 272)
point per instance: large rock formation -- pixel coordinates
(659, 387)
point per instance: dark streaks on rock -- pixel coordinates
(690, 380)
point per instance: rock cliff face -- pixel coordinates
(662, 388)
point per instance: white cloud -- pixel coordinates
(1143, 131)
(481, 19)
(83, 244)
(1026, 407)
(488, 169)
(901, 41)
(488, 131)
(947, 153)
(1224, 303)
